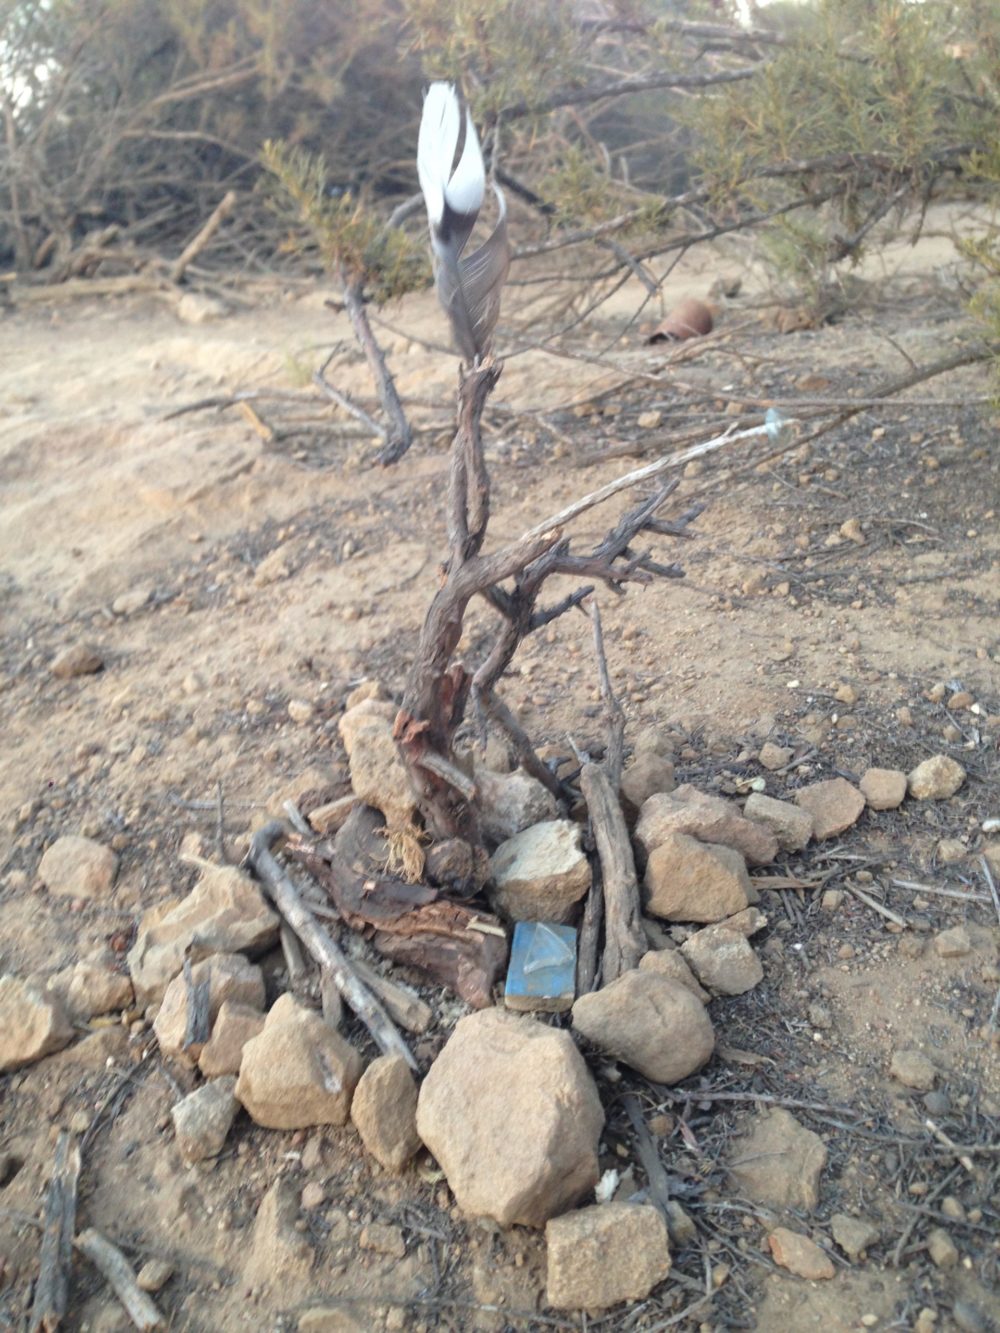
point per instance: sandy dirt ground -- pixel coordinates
(228, 561)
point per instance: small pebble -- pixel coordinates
(937, 1103)
(313, 1195)
(969, 1318)
(953, 943)
(154, 1274)
(942, 1249)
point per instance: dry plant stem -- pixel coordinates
(327, 954)
(614, 760)
(624, 938)
(342, 400)
(399, 436)
(587, 972)
(52, 1287)
(113, 1265)
(204, 236)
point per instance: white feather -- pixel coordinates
(467, 187)
(436, 144)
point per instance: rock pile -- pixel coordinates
(509, 1108)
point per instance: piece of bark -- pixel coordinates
(624, 937)
(56, 1257)
(113, 1265)
(198, 1027)
(590, 937)
(453, 943)
(324, 950)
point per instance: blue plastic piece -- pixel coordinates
(542, 971)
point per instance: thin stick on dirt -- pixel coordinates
(112, 1264)
(991, 884)
(327, 954)
(399, 435)
(198, 243)
(942, 1138)
(939, 893)
(876, 906)
(56, 1257)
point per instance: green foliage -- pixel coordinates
(502, 52)
(352, 240)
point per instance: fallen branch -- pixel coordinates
(327, 954)
(52, 1286)
(204, 235)
(116, 1269)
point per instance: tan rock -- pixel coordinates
(78, 867)
(747, 922)
(800, 1255)
(670, 963)
(298, 1072)
(647, 774)
(529, 1150)
(913, 1069)
(225, 912)
(229, 976)
(78, 659)
(688, 880)
(779, 1162)
(360, 714)
(377, 773)
(883, 788)
(723, 960)
(935, 779)
(709, 818)
(955, 942)
(790, 824)
(32, 1024)
(853, 1234)
(91, 987)
(834, 805)
(540, 874)
(384, 1111)
(649, 1021)
(235, 1025)
(601, 1255)
(279, 1252)
(773, 757)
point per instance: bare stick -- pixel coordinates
(198, 243)
(348, 404)
(117, 1270)
(991, 884)
(876, 906)
(406, 1007)
(327, 954)
(614, 760)
(399, 436)
(590, 937)
(950, 1144)
(641, 474)
(624, 937)
(52, 1287)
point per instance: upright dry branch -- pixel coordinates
(52, 1287)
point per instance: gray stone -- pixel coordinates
(935, 779)
(32, 1024)
(853, 1234)
(834, 805)
(298, 1072)
(953, 943)
(384, 1112)
(790, 824)
(670, 963)
(649, 1021)
(601, 1255)
(204, 1118)
(509, 803)
(709, 818)
(779, 1162)
(78, 867)
(883, 788)
(723, 960)
(688, 880)
(235, 1025)
(513, 1116)
(229, 976)
(540, 874)
(225, 912)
